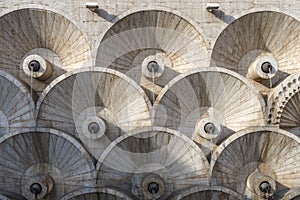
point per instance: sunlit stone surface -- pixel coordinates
(149, 100)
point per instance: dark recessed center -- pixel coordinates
(93, 127)
(36, 188)
(265, 187)
(266, 67)
(209, 128)
(153, 187)
(152, 66)
(34, 66)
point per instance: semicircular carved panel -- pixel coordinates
(208, 192)
(16, 105)
(152, 35)
(208, 105)
(264, 36)
(125, 148)
(254, 156)
(46, 157)
(34, 31)
(163, 157)
(284, 105)
(96, 194)
(97, 106)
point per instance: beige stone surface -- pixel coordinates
(208, 192)
(37, 30)
(256, 33)
(89, 95)
(284, 104)
(214, 95)
(158, 152)
(16, 104)
(269, 151)
(95, 194)
(30, 152)
(159, 99)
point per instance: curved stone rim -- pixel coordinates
(247, 13)
(219, 150)
(137, 9)
(46, 8)
(240, 60)
(59, 133)
(207, 69)
(203, 188)
(60, 13)
(283, 93)
(83, 191)
(255, 10)
(158, 129)
(292, 193)
(91, 69)
(24, 88)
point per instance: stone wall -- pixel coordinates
(149, 100)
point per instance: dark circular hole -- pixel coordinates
(153, 187)
(266, 67)
(34, 66)
(270, 115)
(209, 128)
(93, 127)
(265, 187)
(36, 188)
(152, 66)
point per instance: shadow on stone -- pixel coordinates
(105, 15)
(222, 16)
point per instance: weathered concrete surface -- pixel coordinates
(131, 108)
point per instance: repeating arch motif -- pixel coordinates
(143, 111)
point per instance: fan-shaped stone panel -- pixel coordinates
(96, 105)
(160, 162)
(11, 196)
(283, 105)
(146, 36)
(96, 194)
(257, 162)
(208, 192)
(16, 104)
(46, 161)
(209, 104)
(256, 38)
(51, 38)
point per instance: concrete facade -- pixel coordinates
(149, 100)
